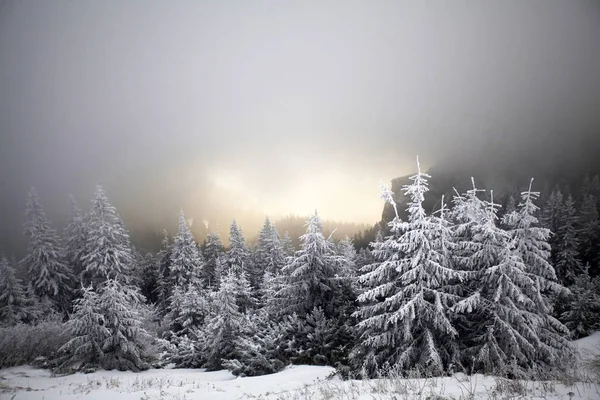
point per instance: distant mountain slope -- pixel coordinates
(506, 171)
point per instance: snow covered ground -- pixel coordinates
(296, 382)
(31, 383)
(589, 346)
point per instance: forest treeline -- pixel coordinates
(469, 286)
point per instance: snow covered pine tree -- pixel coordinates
(404, 321)
(47, 269)
(505, 327)
(313, 284)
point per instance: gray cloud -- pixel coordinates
(273, 106)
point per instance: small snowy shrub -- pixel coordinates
(23, 344)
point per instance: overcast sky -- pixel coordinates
(277, 106)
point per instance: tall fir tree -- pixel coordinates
(75, 236)
(106, 331)
(188, 310)
(531, 243)
(163, 259)
(239, 258)
(552, 210)
(550, 219)
(48, 273)
(313, 286)
(136, 272)
(213, 250)
(530, 239)
(125, 347)
(257, 346)
(590, 234)
(567, 260)
(505, 322)
(405, 318)
(582, 314)
(108, 250)
(220, 269)
(364, 261)
(186, 260)
(221, 332)
(271, 285)
(87, 327)
(312, 274)
(149, 274)
(15, 302)
(246, 296)
(348, 254)
(269, 253)
(287, 245)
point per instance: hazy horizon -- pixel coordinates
(239, 110)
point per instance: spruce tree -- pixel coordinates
(552, 211)
(256, 348)
(106, 330)
(15, 303)
(330, 341)
(239, 262)
(313, 284)
(89, 332)
(164, 271)
(223, 325)
(347, 252)
(567, 261)
(185, 352)
(269, 253)
(531, 241)
(270, 286)
(364, 261)
(75, 240)
(382, 260)
(136, 272)
(149, 273)
(312, 276)
(246, 296)
(287, 245)
(239, 257)
(108, 250)
(47, 270)
(582, 316)
(212, 251)
(590, 234)
(220, 268)
(532, 246)
(505, 317)
(186, 259)
(405, 320)
(550, 219)
(189, 307)
(125, 347)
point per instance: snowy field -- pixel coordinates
(295, 382)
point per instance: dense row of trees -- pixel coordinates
(464, 288)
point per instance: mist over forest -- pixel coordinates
(243, 111)
(388, 191)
